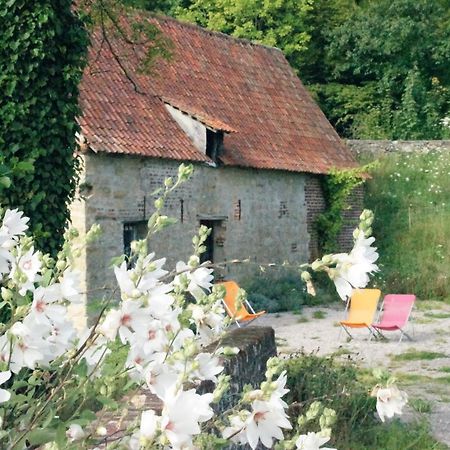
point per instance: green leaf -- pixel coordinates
(41, 436)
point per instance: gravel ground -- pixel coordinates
(427, 379)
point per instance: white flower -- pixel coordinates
(28, 264)
(44, 309)
(199, 279)
(390, 401)
(28, 347)
(69, 283)
(207, 367)
(312, 441)
(352, 269)
(182, 414)
(75, 433)
(4, 394)
(149, 424)
(263, 424)
(14, 223)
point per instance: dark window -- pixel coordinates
(208, 255)
(214, 144)
(133, 231)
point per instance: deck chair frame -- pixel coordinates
(233, 317)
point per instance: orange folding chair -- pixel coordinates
(361, 310)
(241, 316)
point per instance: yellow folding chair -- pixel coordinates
(361, 310)
(241, 315)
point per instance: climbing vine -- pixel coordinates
(43, 47)
(337, 187)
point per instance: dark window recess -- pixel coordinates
(294, 247)
(237, 210)
(133, 231)
(283, 211)
(208, 255)
(214, 144)
(181, 210)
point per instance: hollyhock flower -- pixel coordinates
(129, 316)
(207, 367)
(263, 424)
(69, 283)
(149, 425)
(14, 223)
(352, 269)
(390, 401)
(61, 337)
(28, 348)
(182, 414)
(75, 433)
(44, 309)
(4, 394)
(312, 441)
(28, 264)
(199, 279)
(279, 390)
(160, 379)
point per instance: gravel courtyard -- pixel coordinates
(422, 365)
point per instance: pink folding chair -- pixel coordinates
(396, 310)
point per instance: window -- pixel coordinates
(133, 231)
(214, 144)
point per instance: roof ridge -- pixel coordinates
(185, 23)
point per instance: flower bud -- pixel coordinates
(7, 294)
(305, 276)
(159, 203)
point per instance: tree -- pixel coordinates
(279, 23)
(42, 54)
(401, 49)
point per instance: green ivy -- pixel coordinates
(337, 187)
(43, 47)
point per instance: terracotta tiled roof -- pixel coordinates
(247, 90)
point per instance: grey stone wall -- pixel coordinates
(378, 147)
(262, 213)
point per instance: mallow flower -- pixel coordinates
(4, 394)
(390, 401)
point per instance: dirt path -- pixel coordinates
(422, 366)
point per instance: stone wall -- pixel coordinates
(379, 147)
(316, 205)
(260, 214)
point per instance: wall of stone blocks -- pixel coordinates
(263, 213)
(377, 148)
(316, 205)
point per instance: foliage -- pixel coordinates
(401, 47)
(340, 387)
(279, 24)
(343, 387)
(409, 194)
(337, 187)
(42, 55)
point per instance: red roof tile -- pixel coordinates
(247, 90)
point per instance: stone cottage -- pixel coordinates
(240, 114)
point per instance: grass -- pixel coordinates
(410, 196)
(319, 315)
(302, 319)
(444, 369)
(417, 355)
(420, 405)
(345, 388)
(437, 315)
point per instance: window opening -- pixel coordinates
(214, 144)
(133, 231)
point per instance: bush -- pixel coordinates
(274, 293)
(343, 387)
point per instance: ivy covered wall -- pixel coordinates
(43, 46)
